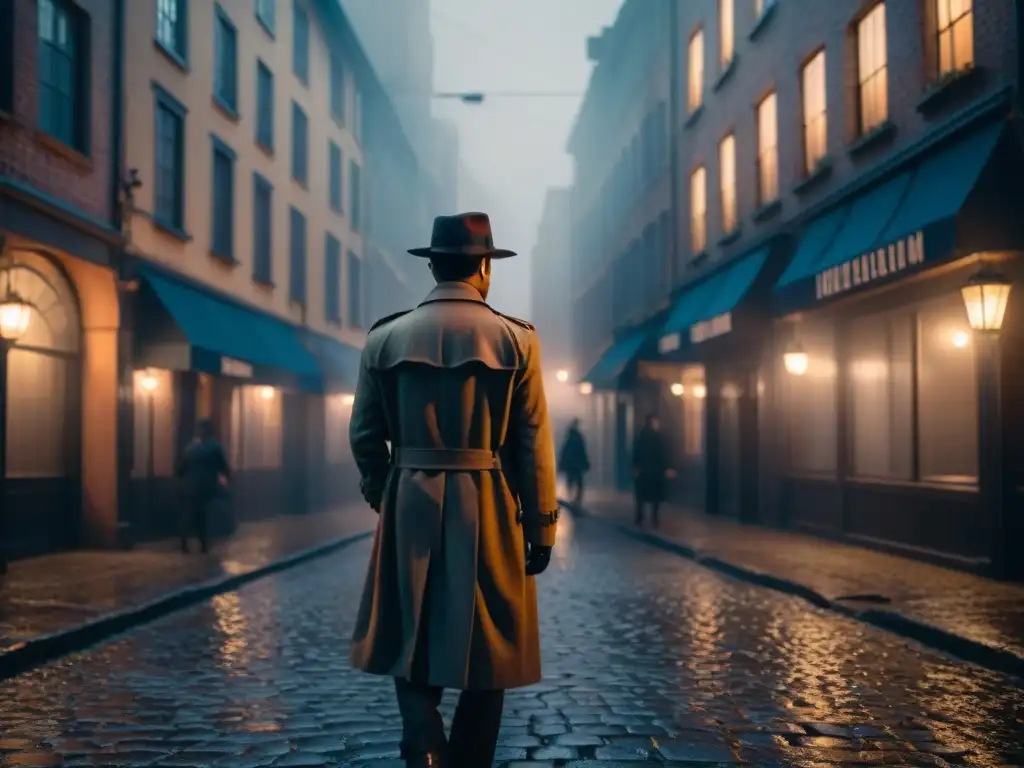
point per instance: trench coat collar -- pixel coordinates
(453, 292)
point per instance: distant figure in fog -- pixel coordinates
(650, 468)
(204, 469)
(573, 461)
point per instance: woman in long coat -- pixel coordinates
(650, 467)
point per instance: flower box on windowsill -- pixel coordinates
(768, 210)
(949, 88)
(731, 236)
(725, 74)
(880, 134)
(762, 21)
(693, 117)
(822, 171)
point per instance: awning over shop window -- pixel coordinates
(339, 362)
(705, 310)
(221, 337)
(608, 370)
(902, 225)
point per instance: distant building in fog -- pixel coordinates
(551, 281)
(772, 263)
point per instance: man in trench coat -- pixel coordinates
(450, 432)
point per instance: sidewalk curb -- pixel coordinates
(21, 657)
(892, 621)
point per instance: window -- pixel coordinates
(811, 402)
(872, 82)
(169, 185)
(172, 27)
(956, 35)
(332, 279)
(335, 163)
(880, 386)
(297, 257)
(225, 74)
(698, 211)
(815, 111)
(694, 398)
(264, 106)
(337, 414)
(223, 214)
(767, 150)
(266, 12)
(695, 93)
(355, 200)
(947, 393)
(337, 89)
(300, 44)
(727, 169)
(262, 230)
(152, 457)
(726, 31)
(63, 68)
(355, 291)
(256, 433)
(300, 145)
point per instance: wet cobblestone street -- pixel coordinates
(649, 660)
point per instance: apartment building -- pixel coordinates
(621, 223)
(63, 351)
(245, 126)
(844, 169)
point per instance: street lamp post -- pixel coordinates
(15, 315)
(986, 296)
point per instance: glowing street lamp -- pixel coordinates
(586, 388)
(795, 359)
(986, 295)
(562, 375)
(15, 316)
(149, 382)
(677, 389)
(267, 393)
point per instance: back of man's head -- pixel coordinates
(450, 269)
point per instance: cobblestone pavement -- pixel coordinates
(51, 593)
(649, 660)
(979, 609)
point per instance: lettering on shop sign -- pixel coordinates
(869, 267)
(236, 368)
(669, 343)
(709, 329)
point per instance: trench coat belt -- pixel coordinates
(446, 459)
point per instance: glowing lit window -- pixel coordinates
(872, 77)
(698, 211)
(956, 35)
(815, 112)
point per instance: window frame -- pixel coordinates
(950, 28)
(338, 90)
(217, 217)
(332, 278)
(695, 90)
(300, 43)
(726, 32)
(355, 200)
(336, 181)
(763, 151)
(263, 231)
(696, 250)
(820, 52)
(267, 19)
(179, 57)
(730, 206)
(298, 256)
(225, 92)
(881, 71)
(162, 99)
(354, 283)
(79, 96)
(300, 160)
(265, 121)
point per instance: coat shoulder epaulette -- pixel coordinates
(389, 318)
(516, 320)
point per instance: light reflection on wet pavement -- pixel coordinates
(649, 660)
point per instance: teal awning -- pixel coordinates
(717, 295)
(216, 328)
(339, 362)
(898, 226)
(607, 371)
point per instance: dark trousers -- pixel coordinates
(474, 729)
(640, 504)
(574, 484)
(194, 521)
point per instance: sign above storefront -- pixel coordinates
(709, 329)
(869, 267)
(669, 343)
(237, 368)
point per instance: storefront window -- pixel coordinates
(694, 399)
(256, 421)
(880, 396)
(338, 408)
(37, 430)
(947, 394)
(811, 402)
(153, 404)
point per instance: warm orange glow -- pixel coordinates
(267, 393)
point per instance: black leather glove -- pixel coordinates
(537, 559)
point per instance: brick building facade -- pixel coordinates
(842, 169)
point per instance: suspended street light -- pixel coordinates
(985, 296)
(795, 359)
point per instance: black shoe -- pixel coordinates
(431, 759)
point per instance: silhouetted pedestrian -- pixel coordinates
(203, 469)
(650, 467)
(573, 461)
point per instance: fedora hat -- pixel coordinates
(464, 234)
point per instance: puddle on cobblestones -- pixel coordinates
(649, 660)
